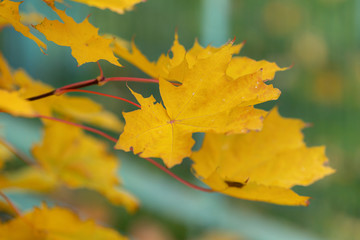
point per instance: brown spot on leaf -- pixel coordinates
(235, 184)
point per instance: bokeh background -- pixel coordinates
(320, 38)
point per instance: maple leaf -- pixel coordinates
(54, 223)
(208, 100)
(9, 13)
(264, 165)
(73, 158)
(118, 6)
(86, 45)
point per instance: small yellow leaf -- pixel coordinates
(86, 45)
(80, 161)
(54, 223)
(12, 103)
(119, 6)
(9, 12)
(262, 166)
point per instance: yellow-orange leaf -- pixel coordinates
(12, 103)
(9, 12)
(86, 45)
(119, 6)
(262, 166)
(208, 100)
(54, 223)
(80, 161)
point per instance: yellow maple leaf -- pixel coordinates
(9, 13)
(262, 166)
(86, 45)
(54, 223)
(208, 100)
(119, 6)
(81, 161)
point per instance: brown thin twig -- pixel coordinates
(95, 81)
(90, 129)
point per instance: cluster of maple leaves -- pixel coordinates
(247, 152)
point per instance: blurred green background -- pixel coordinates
(321, 38)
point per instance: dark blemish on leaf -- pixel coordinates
(235, 184)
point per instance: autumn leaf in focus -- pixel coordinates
(209, 99)
(55, 223)
(81, 161)
(262, 166)
(83, 39)
(119, 6)
(9, 13)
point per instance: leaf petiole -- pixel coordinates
(97, 93)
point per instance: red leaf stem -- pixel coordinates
(90, 129)
(98, 93)
(158, 165)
